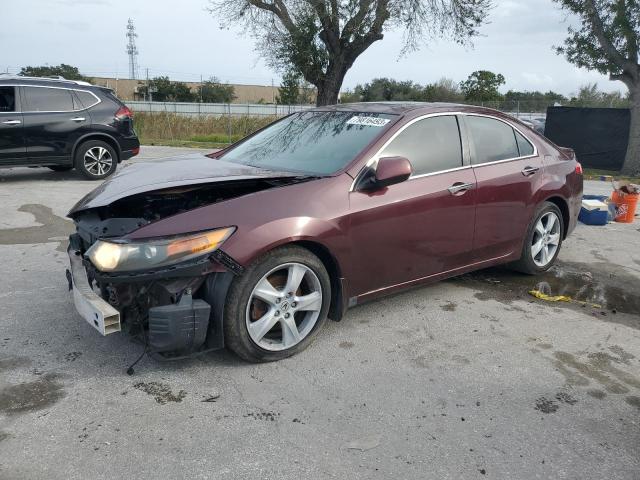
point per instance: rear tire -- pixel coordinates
(543, 240)
(277, 306)
(59, 168)
(96, 160)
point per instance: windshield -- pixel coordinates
(312, 143)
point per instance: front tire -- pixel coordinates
(96, 160)
(543, 240)
(275, 309)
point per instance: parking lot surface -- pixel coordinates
(468, 378)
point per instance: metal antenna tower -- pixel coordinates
(132, 50)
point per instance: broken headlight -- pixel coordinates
(141, 255)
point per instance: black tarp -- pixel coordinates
(599, 136)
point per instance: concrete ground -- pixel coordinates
(468, 378)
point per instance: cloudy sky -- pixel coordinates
(182, 40)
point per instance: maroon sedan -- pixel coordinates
(254, 247)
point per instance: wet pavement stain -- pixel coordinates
(545, 405)
(53, 229)
(595, 393)
(4, 436)
(346, 345)
(599, 369)
(449, 307)
(596, 283)
(31, 396)
(161, 392)
(564, 397)
(633, 401)
(12, 363)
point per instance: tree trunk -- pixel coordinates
(631, 165)
(329, 87)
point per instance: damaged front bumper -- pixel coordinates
(174, 311)
(98, 313)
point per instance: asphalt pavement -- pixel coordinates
(467, 378)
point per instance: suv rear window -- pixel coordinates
(86, 99)
(7, 99)
(44, 99)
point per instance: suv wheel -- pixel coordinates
(277, 306)
(96, 160)
(543, 240)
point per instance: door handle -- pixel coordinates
(460, 188)
(78, 119)
(528, 171)
(12, 122)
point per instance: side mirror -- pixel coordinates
(392, 170)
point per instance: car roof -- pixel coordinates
(402, 108)
(42, 81)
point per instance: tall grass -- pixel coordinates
(164, 127)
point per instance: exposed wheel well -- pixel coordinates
(564, 209)
(336, 309)
(103, 138)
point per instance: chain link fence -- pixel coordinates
(223, 123)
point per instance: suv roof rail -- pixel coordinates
(55, 78)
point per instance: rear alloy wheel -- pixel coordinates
(96, 160)
(543, 241)
(275, 308)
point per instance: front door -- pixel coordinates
(12, 144)
(508, 170)
(423, 226)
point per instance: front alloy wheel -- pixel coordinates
(275, 308)
(284, 307)
(97, 161)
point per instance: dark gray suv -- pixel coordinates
(64, 124)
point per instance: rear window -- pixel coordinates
(7, 99)
(524, 145)
(44, 99)
(492, 140)
(86, 99)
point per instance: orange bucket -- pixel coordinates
(626, 204)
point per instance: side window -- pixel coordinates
(42, 99)
(524, 145)
(493, 140)
(86, 99)
(431, 145)
(7, 99)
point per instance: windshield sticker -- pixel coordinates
(368, 121)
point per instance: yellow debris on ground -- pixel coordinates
(560, 298)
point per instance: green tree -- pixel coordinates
(482, 86)
(444, 90)
(182, 92)
(62, 70)
(590, 96)
(607, 42)
(289, 91)
(532, 101)
(321, 39)
(212, 91)
(387, 89)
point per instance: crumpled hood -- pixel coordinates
(167, 173)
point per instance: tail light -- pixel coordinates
(124, 112)
(578, 168)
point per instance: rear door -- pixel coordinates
(12, 144)
(54, 120)
(509, 172)
(423, 226)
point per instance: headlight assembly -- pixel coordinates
(109, 256)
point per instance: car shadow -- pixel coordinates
(26, 174)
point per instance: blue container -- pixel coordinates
(587, 217)
(593, 217)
